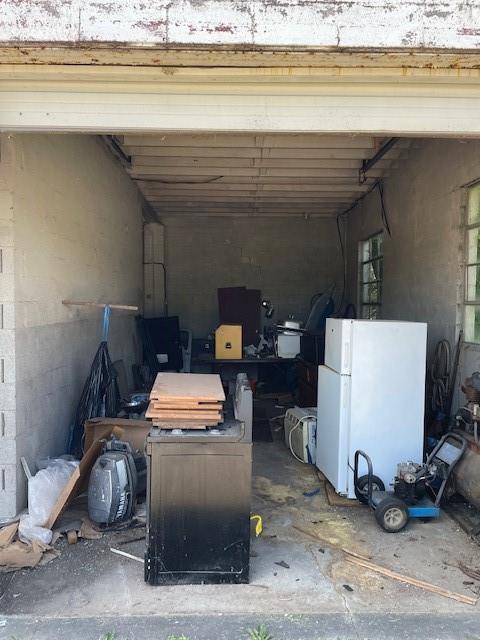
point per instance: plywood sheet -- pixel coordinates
(183, 404)
(183, 424)
(183, 415)
(188, 386)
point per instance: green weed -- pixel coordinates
(259, 633)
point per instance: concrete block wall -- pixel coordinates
(289, 260)
(77, 234)
(423, 263)
(7, 332)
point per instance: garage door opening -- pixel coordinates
(270, 229)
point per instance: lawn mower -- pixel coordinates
(409, 498)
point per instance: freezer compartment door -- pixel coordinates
(333, 423)
(338, 345)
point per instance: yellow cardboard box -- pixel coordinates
(228, 342)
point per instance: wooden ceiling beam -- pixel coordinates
(234, 182)
(319, 189)
(249, 206)
(249, 199)
(209, 163)
(218, 172)
(301, 140)
(239, 214)
(269, 154)
(236, 189)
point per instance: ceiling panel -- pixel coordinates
(259, 175)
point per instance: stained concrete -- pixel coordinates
(98, 590)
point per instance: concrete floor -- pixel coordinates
(88, 582)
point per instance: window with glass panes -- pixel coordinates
(472, 269)
(371, 276)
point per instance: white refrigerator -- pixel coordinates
(371, 396)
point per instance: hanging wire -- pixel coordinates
(378, 184)
(440, 374)
(384, 215)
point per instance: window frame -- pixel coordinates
(466, 263)
(361, 263)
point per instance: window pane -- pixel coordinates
(473, 283)
(370, 313)
(376, 245)
(373, 247)
(372, 292)
(369, 272)
(365, 250)
(474, 204)
(472, 323)
(378, 268)
(474, 245)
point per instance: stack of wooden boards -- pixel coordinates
(186, 400)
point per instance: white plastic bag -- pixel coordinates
(44, 488)
(28, 532)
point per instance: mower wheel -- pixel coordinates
(391, 514)
(361, 487)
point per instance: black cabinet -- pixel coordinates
(198, 506)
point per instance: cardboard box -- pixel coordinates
(132, 431)
(228, 342)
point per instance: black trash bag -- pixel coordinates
(100, 396)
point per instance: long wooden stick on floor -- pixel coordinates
(413, 581)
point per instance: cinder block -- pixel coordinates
(7, 342)
(7, 425)
(8, 453)
(8, 505)
(7, 315)
(7, 397)
(6, 260)
(8, 478)
(7, 367)
(6, 205)
(6, 232)
(7, 287)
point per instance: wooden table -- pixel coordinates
(228, 369)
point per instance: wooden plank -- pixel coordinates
(179, 414)
(275, 163)
(238, 196)
(422, 584)
(76, 480)
(243, 182)
(252, 184)
(101, 305)
(239, 140)
(184, 424)
(188, 386)
(326, 157)
(205, 213)
(183, 404)
(213, 172)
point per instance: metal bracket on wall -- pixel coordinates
(371, 162)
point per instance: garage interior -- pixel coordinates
(161, 221)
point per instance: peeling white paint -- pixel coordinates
(448, 24)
